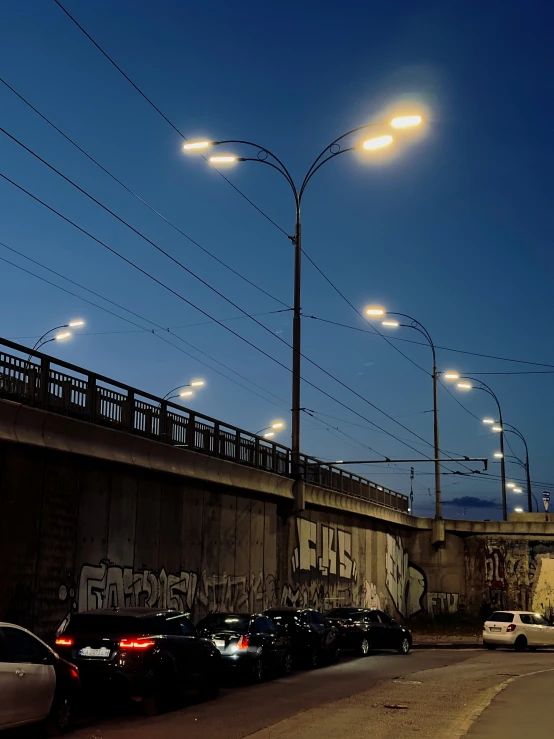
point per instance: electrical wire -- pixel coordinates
(166, 119)
(141, 200)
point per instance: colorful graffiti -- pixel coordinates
(335, 546)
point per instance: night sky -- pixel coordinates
(453, 226)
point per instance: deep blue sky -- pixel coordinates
(455, 228)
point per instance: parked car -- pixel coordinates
(249, 643)
(517, 629)
(364, 629)
(313, 638)
(36, 685)
(148, 655)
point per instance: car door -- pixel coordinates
(319, 628)
(8, 682)
(33, 665)
(544, 630)
(391, 631)
(181, 643)
(263, 639)
(528, 628)
(279, 642)
(374, 630)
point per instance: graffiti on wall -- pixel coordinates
(495, 574)
(405, 582)
(442, 603)
(335, 546)
(541, 578)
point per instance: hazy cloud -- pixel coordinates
(468, 501)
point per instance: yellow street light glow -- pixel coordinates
(196, 145)
(269, 435)
(277, 425)
(490, 421)
(451, 376)
(464, 385)
(64, 335)
(197, 383)
(76, 324)
(510, 484)
(518, 490)
(391, 324)
(518, 510)
(406, 121)
(498, 455)
(497, 428)
(339, 461)
(227, 159)
(379, 142)
(374, 311)
(185, 393)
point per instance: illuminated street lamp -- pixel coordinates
(373, 312)
(466, 383)
(265, 156)
(270, 430)
(62, 336)
(518, 510)
(184, 392)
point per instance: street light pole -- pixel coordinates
(418, 326)
(265, 156)
(483, 386)
(513, 430)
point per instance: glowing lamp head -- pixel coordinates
(76, 324)
(374, 311)
(390, 324)
(518, 490)
(378, 142)
(464, 385)
(497, 429)
(277, 425)
(197, 383)
(489, 421)
(196, 145)
(451, 376)
(63, 336)
(518, 510)
(498, 455)
(269, 435)
(225, 159)
(185, 393)
(406, 121)
(510, 485)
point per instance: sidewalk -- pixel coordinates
(522, 709)
(446, 641)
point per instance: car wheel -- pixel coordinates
(491, 646)
(60, 719)
(314, 659)
(258, 671)
(364, 647)
(520, 644)
(287, 664)
(405, 646)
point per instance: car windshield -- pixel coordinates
(225, 622)
(502, 616)
(282, 617)
(89, 623)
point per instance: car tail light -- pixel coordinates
(243, 642)
(64, 641)
(511, 627)
(136, 643)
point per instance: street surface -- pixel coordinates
(430, 694)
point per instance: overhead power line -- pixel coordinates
(137, 197)
(166, 119)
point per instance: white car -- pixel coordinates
(517, 629)
(36, 685)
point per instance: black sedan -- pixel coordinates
(145, 654)
(314, 638)
(363, 629)
(249, 643)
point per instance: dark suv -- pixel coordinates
(146, 654)
(313, 637)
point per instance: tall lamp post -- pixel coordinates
(465, 383)
(376, 312)
(512, 430)
(265, 156)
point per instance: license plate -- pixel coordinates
(220, 643)
(92, 652)
(496, 628)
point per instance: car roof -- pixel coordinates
(232, 614)
(532, 613)
(131, 612)
(288, 609)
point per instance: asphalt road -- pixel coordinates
(245, 709)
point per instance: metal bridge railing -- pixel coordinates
(37, 379)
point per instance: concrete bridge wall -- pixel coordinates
(109, 519)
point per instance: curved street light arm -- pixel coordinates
(334, 143)
(314, 169)
(65, 325)
(165, 397)
(281, 168)
(278, 169)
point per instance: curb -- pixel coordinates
(448, 645)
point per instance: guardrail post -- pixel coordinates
(44, 382)
(217, 450)
(189, 436)
(91, 403)
(237, 445)
(164, 424)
